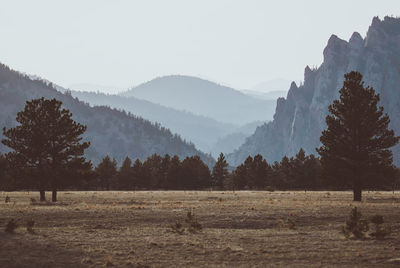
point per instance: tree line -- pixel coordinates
(48, 154)
(157, 172)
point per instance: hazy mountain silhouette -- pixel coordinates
(204, 132)
(111, 132)
(205, 98)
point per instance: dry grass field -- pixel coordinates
(241, 229)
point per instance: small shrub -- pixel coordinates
(178, 228)
(7, 200)
(288, 223)
(291, 224)
(29, 226)
(194, 225)
(109, 261)
(11, 226)
(380, 230)
(355, 226)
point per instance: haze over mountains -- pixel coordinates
(202, 131)
(205, 98)
(215, 118)
(111, 132)
(300, 118)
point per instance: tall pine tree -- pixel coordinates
(44, 143)
(355, 149)
(219, 172)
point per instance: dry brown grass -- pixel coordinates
(242, 229)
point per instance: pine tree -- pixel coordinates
(219, 172)
(43, 144)
(355, 149)
(194, 173)
(3, 172)
(137, 173)
(174, 173)
(106, 171)
(125, 175)
(260, 172)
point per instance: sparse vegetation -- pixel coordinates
(192, 225)
(11, 226)
(381, 231)
(356, 226)
(136, 226)
(177, 228)
(29, 226)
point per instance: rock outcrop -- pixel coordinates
(300, 118)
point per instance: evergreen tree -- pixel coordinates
(3, 173)
(79, 174)
(165, 163)
(239, 177)
(219, 172)
(174, 174)
(106, 171)
(300, 172)
(286, 173)
(125, 175)
(355, 149)
(152, 173)
(137, 174)
(194, 173)
(43, 144)
(260, 172)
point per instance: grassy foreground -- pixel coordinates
(241, 229)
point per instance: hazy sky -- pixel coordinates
(124, 43)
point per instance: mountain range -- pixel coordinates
(185, 106)
(202, 97)
(300, 117)
(111, 132)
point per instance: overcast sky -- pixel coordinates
(124, 43)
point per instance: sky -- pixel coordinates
(120, 44)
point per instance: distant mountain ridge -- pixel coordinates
(111, 132)
(202, 97)
(202, 131)
(300, 117)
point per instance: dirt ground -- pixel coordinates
(241, 229)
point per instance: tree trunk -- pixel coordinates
(54, 196)
(357, 193)
(42, 195)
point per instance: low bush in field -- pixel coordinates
(192, 225)
(29, 226)
(11, 226)
(357, 227)
(381, 231)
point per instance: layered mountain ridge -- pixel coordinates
(203, 97)
(300, 117)
(110, 131)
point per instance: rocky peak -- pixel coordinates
(292, 90)
(309, 75)
(381, 31)
(335, 49)
(356, 41)
(300, 118)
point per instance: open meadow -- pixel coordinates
(238, 229)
